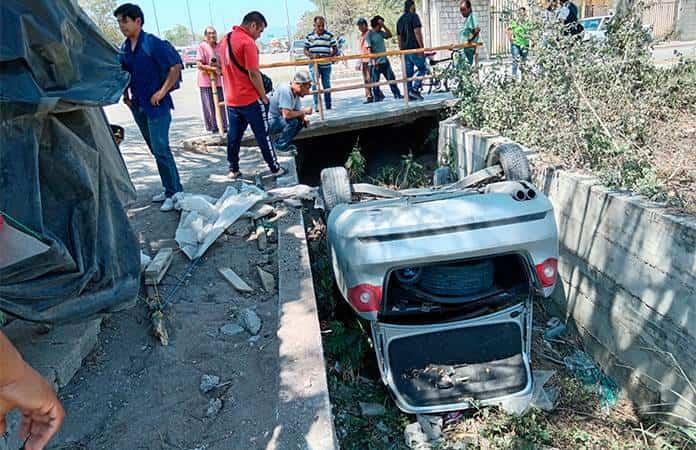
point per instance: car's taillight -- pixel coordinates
(365, 297)
(547, 272)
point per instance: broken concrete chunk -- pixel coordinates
(214, 407)
(231, 329)
(259, 211)
(144, 261)
(371, 409)
(250, 321)
(235, 280)
(415, 438)
(299, 191)
(261, 236)
(267, 280)
(430, 425)
(159, 265)
(209, 382)
(158, 328)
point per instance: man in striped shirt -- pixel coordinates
(321, 44)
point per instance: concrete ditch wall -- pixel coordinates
(627, 270)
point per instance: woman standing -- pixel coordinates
(209, 61)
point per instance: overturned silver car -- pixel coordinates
(447, 276)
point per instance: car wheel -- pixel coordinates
(457, 279)
(442, 176)
(512, 159)
(335, 187)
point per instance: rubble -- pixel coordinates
(261, 236)
(209, 382)
(231, 329)
(155, 271)
(293, 202)
(158, 328)
(234, 279)
(267, 280)
(431, 425)
(250, 321)
(214, 407)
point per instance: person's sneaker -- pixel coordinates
(398, 97)
(290, 150)
(379, 99)
(234, 175)
(418, 94)
(282, 171)
(159, 198)
(168, 204)
(369, 100)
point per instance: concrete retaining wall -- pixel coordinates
(685, 28)
(627, 269)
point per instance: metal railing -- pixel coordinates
(320, 89)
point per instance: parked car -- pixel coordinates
(595, 27)
(189, 57)
(447, 277)
(297, 50)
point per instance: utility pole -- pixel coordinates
(287, 16)
(210, 10)
(156, 21)
(323, 9)
(193, 34)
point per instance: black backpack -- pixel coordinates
(267, 82)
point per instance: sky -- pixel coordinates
(225, 13)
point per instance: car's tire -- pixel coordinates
(512, 159)
(458, 279)
(442, 176)
(335, 187)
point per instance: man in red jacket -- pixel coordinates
(245, 96)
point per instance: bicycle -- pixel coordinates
(440, 81)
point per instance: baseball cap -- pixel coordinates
(301, 77)
(361, 21)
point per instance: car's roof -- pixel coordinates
(594, 18)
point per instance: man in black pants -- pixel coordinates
(245, 96)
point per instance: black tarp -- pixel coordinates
(61, 173)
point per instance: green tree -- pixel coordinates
(102, 13)
(180, 35)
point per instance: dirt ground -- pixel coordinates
(134, 393)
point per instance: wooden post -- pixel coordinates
(405, 77)
(320, 90)
(216, 103)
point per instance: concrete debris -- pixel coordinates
(159, 244)
(234, 279)
(231, 329)
(293, 202)
(250, 321)
(430, 425)
(214, 407)
(261, 236)
(209, 382)
(159, 265)
(158, 328)
(197, 230)
(371, 409)
(259, 211)
(415, 438)
(298, 191)
(267, 280)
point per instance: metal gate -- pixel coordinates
(501, 13)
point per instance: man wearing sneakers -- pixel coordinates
(410, 33)
(288, 116)
(155, 69)
(245, 96)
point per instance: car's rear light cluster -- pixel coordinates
(365, 297)
(547, 272)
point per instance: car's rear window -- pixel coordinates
(591, 24)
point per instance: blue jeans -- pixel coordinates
(518, 54)
(255, 115)
(413, 61)
(386, 70)
(155, 131)
(287, 128)
(325, 74)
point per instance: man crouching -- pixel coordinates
(288, 116)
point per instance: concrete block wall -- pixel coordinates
(628, 275)
(442, 21)
(686, 20)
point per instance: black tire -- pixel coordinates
(512, 159)
(335, 187)
(442, 176)
(457, 279)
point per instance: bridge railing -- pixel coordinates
(404, 80)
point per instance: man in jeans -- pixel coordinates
(155, 68)
(380, 65)
(470, 31)
(245, 96)
(321, 44)
(518, 32)
(288, 116)
(410, 33)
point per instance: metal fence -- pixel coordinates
(501, 13)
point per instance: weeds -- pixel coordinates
(355, 165)
(410, 174)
